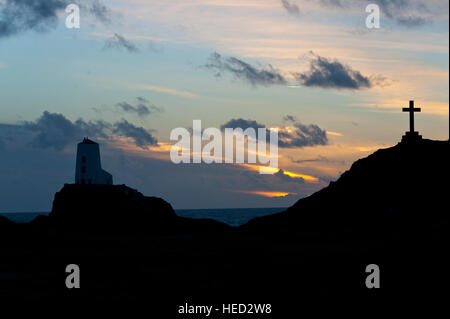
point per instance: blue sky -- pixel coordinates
(85, 73)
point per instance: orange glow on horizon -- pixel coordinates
(268, 193)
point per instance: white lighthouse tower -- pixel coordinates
(88, 169)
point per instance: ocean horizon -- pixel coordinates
(230, 216)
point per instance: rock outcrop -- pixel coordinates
(117, 209)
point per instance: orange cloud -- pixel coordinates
(307, 178)
(268, 194)
(272, 170)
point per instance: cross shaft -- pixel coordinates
(411, 109)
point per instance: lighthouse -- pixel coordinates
(88, 168)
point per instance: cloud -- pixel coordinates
(118, 41)
(319, 158)
(412, 21)
(295, 136)
(291, 8)
(100, 11)
(301, 135)
(17, 16)
(380, 80)
(143, 108)
(241, 123)
(289, 118)
(54, 130)
(21, 15)
(405, 12)
(327, 73)
(408, 13)
(165, 90)
(323, 72)
(139, 109)
(241, 70)
(141, 136)
(286, 178)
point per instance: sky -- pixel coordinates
(135, 70)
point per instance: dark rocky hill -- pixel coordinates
(116, 209)
(393, 192)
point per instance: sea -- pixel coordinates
(230, 216)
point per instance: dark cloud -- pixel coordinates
(241, 70)
(243, 124)
(299, 135)
(53, 130)
(327, 73)
(291, 8)
(139, 109)
(412, 21)
(118, 41)
(392, 7)
(141, 136)
(323, 72)
(302, 135)
(100, 11)
(17, 16)
(319, 158)
(289, 118)
(408, 13)
(143, 108)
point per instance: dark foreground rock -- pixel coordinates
(117, 209)
(389, 209)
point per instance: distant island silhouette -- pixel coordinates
(389, 208)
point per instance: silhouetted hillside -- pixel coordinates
(6, 224)
(389, 209)
(401, 189)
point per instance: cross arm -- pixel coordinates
(414, 109)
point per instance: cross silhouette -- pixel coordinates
(411, 109)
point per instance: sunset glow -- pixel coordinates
(271, 170)
(268, 194)
(136, 70)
